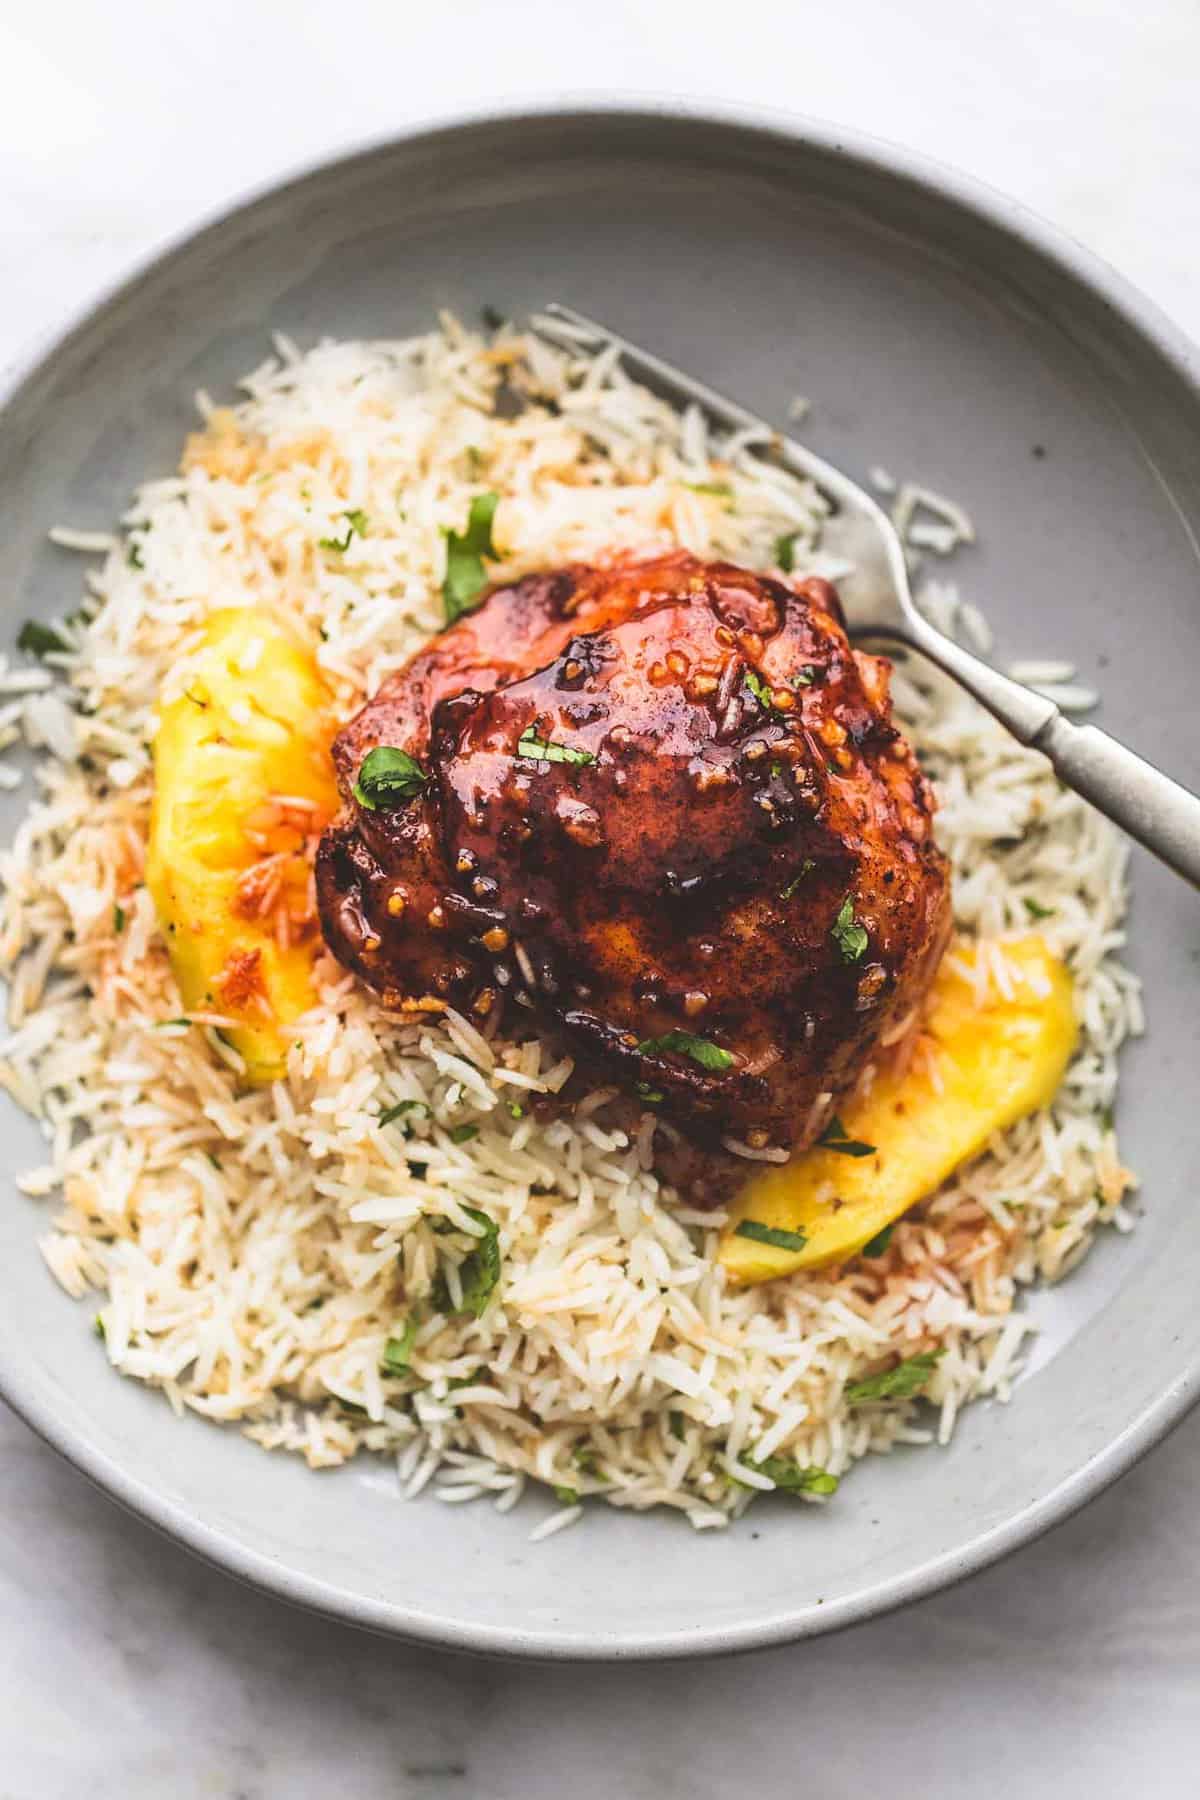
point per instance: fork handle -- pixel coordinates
(1149, 805)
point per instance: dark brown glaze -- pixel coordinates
(687, 877)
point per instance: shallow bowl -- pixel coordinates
(939, 330)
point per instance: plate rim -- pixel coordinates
(1137, 312)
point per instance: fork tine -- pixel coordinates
(571, 330)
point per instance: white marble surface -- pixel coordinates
(126, 1668)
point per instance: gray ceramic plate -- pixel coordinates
(940, 331)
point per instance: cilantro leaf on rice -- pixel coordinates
(36, 639)
(391, 1113)
(785, 551)
(903, 1381)
(356, 526)
(466, 577)
(791, 1477)
(397, 1352)
(478, 1273)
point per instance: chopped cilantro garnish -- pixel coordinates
(709, 1056)
(466, 577)
(770, 1234)
(834, 1138)
(677, 1424)
(462, 1134)
(98, 1328)
(516, 1110)
(849, 936)
(797, 878)
(539, 749)
(877, 1246)
(566, 1496)
(584, 1458)
(1035, 909)
(759, 688)
(398, 1351)
(134, 557)
(722, 489)
(37, 639)
(791, 1477)
(478, 1272)
(118, 917)
(806, 676)
(650, 1095)
(356, 526)
(785, 551)
(398, 1111)
(388, 777)
(900, 1382)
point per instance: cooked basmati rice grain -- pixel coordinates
(1034, 671)
(1072, 696)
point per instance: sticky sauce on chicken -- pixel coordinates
(663, 808)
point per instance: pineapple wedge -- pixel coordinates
(242, 778)
(997, 1062)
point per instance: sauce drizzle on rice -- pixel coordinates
(610, 1358)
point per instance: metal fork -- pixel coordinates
(878, 603)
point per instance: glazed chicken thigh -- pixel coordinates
(662, 809)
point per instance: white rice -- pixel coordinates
(1035, 670)
(253, 1251)
(945, 526)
